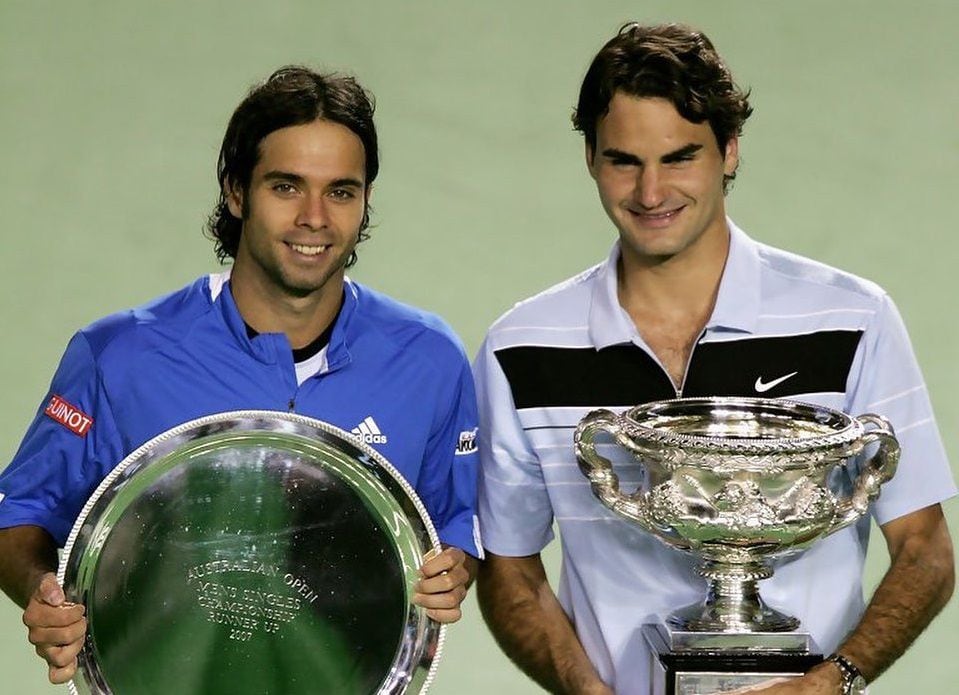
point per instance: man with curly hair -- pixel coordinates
(687, 304)
(283, 329)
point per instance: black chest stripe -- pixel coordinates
(624, 375)
(620, 375)
(774, 367)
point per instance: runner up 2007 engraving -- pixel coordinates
(231, 601)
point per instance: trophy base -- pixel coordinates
(689, 663)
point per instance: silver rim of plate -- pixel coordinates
(383, 491)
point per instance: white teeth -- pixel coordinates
(308, 250)
(658, 215)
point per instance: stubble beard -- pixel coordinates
(304, 287)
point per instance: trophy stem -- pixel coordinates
(732, 603)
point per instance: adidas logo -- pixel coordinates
(369, 432)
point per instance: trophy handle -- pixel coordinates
(599, 470)
(876, 471)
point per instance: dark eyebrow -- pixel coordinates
(288, 177)
(680, 154)
(346, 182)
(621, 157)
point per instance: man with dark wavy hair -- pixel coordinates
(283, 329)
(292, 96)
(687, 304)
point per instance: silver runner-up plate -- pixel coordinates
(252, 552)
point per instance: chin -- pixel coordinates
(302, 287)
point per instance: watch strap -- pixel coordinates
(850, 672)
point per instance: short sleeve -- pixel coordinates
(447, 482)
(886, 380)
(516, 516)
(68, 449)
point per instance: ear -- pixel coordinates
(368, 193)
(234, 199)
(590, 164)
(731, 156)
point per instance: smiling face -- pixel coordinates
(301, 213)
(660, 179)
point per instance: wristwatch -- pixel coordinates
(853, 682)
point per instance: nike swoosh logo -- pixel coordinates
(762, 387)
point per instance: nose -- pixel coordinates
(650, 189)
(312, 213)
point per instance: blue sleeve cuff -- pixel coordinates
(463, 533)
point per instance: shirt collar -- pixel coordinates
(737, 302)
(338, 353)
(608, 322)
(262, 350)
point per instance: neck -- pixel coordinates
(682, 285)
(267, 309)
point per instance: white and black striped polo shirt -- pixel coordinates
(783, 326)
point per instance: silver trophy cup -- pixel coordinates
(738, 482)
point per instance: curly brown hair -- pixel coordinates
(669, 61)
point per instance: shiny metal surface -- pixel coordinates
(738, 481)
(252, 552)
(765, 642)
(712, 683)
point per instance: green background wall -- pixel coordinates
(111, 115)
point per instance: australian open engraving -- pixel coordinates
(300, 586)
(248, 595)
(252, 566)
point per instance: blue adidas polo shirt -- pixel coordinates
(395, 375)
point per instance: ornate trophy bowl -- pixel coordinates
(737, 482)
(252, 552)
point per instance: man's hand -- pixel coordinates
(56, 628)
(823, 679)
(445, 577)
